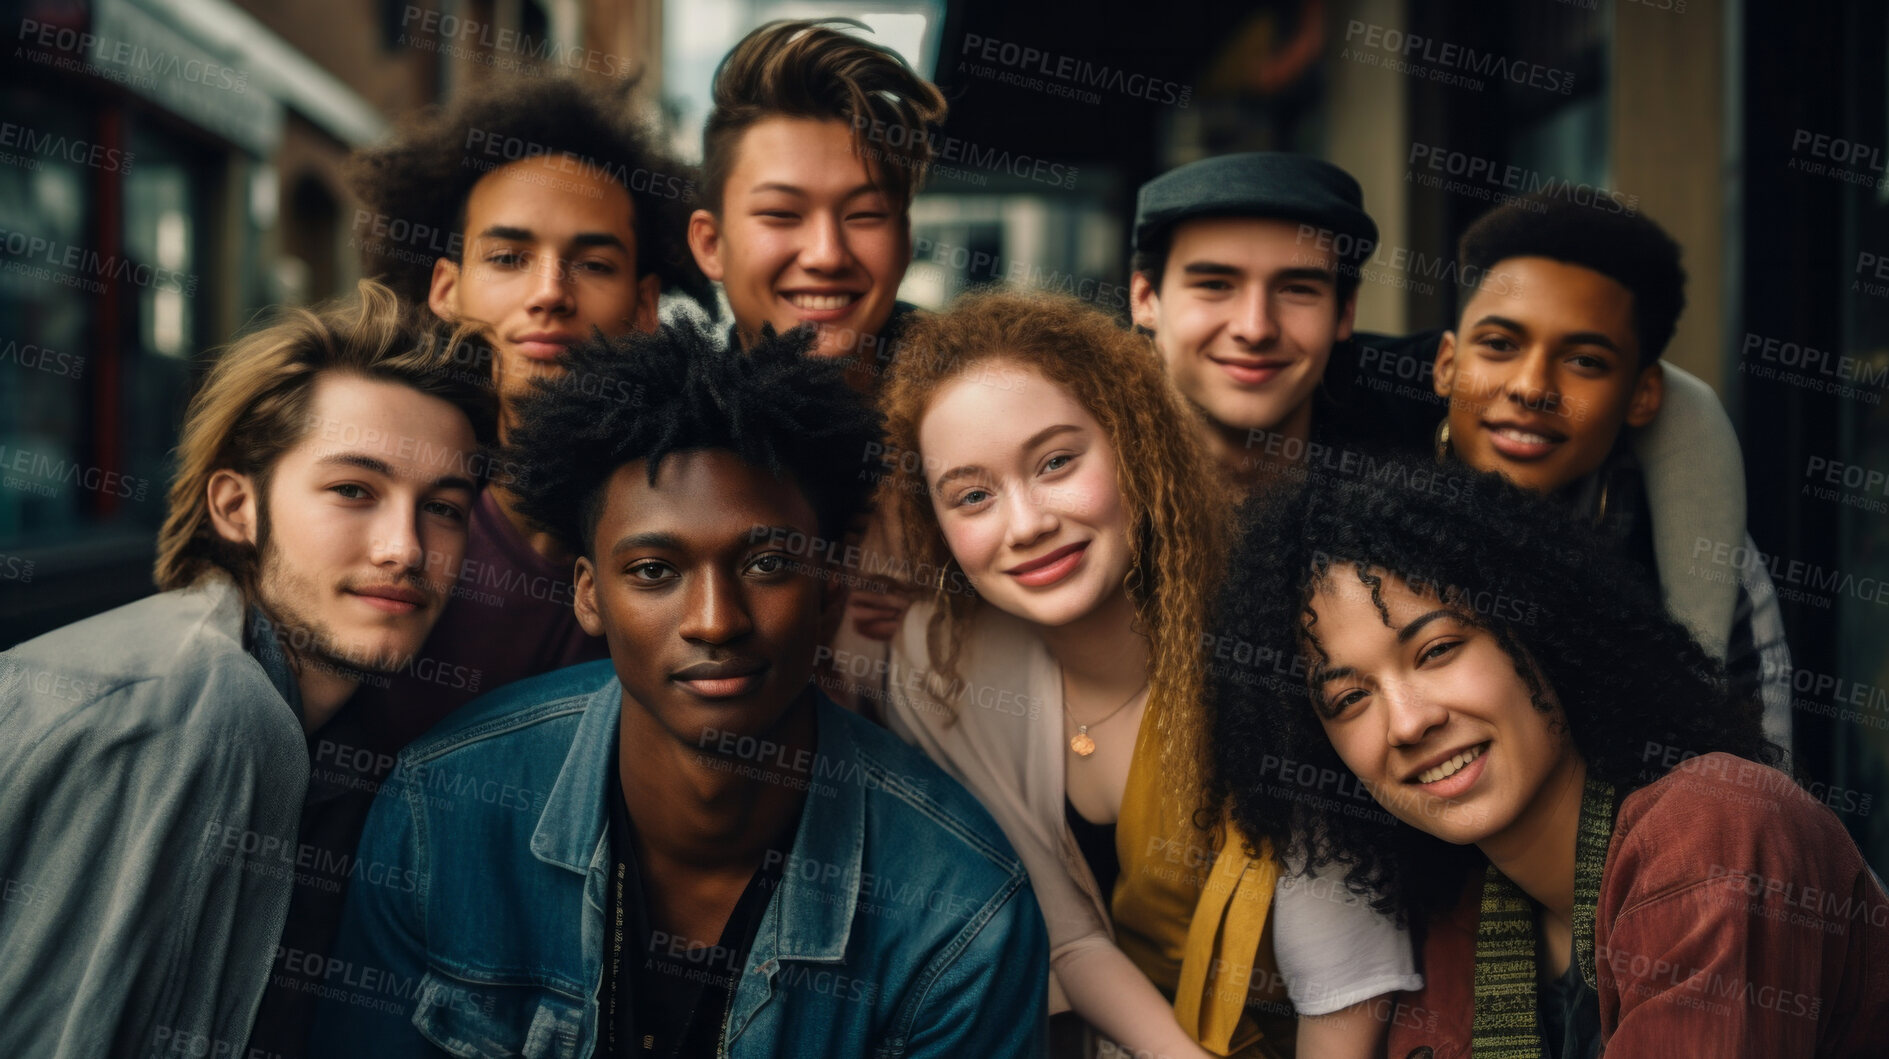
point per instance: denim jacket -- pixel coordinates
(904, 925)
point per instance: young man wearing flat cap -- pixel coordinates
(1246, 272)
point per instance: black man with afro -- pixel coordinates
(700, 853)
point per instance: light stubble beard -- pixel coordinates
(310, 642)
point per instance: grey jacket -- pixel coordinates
(1695, 494)
(151, 780)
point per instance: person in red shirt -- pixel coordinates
(1476, 706)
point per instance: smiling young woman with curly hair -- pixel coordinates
(1061, 514)
(1577, 815)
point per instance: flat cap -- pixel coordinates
(1291, 187)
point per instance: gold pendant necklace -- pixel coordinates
(1082, 742)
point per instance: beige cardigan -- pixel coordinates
(1006, 745)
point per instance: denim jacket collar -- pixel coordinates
(820, 887)
(573, 821)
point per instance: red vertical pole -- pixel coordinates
(109, 337)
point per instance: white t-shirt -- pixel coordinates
(1332, 948)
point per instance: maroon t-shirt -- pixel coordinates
(509, 618)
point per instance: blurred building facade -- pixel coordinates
(171, 169)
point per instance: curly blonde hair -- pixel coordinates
(1180, 516)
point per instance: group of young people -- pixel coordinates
(532, 678)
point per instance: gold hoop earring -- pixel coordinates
(1443, 440)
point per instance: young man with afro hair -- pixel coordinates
(718, 859)
(538, 213)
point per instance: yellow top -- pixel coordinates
(1194, 921)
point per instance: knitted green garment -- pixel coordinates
(1506, 1015)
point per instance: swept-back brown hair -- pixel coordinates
(1180, 517)
(810, 69)
(253, 406)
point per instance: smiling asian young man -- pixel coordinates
(806, 214)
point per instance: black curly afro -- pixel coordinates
(1628, 676)
(644, 396)
(418, 182)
